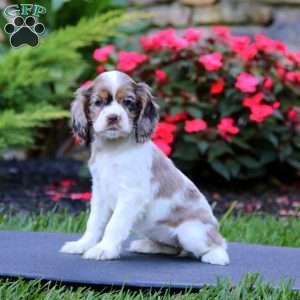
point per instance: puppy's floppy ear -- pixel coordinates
(148, 116)
(80, 114)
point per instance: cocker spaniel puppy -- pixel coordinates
(135, 187)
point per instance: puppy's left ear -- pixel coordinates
(148, 116)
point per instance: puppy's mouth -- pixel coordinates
(113, 127)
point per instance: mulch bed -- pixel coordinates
(42, 185)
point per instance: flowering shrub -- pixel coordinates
(231, 101)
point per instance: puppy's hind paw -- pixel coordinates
(217, 256)
(74, 247)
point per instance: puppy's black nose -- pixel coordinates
(113, 118)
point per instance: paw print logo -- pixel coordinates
(24, 31)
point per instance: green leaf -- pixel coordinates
(202, 146)
(220, 168)
(233, 166)
(218, 149)
(294, 163)
(285, 152)
(248, 161)
(175, 110)
(296, 141)
(194, 112)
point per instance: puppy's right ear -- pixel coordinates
(81, 122)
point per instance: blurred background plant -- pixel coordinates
(229, 104)
(37, 84)
(210, 122)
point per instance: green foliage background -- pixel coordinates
(36, 84)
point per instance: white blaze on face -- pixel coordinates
(113, 81)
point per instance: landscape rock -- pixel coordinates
(233, 13)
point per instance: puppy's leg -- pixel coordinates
(128, 208)
(98, 218)
(148, 246)
(203, 240)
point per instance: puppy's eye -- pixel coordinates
(98, 102)
(129, 102)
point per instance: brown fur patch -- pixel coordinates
(124, 91)
(164, 173)
(214, 237)
(191, 193)
(180, 215)
(103, 94)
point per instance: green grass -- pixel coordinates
(263, 229)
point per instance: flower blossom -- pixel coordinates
(163, 136)
(192, 35)
(102, 54)
(161, 76)
(217, 87)
(260, 112)
(226, 128)
(175, 118)
(211, 62)
(195, 125)
(246, 83)
(129, 60)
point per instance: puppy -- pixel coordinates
(135, 187)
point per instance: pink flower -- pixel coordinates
(243, 47)
(246, 83)
(260, 112)
(295, 57)
(163, 146)
(268, 83)
(100, 69)
(293, 115)
(129, 60)
(253, 100)
(164, 39)
(81, 196)
(102, 54)
(217, 87)
(226, 128)
(192, 35)
(276, 105)
(266, 44)
(66, 183)
(161, 76)
(195, 125)
(179, 43)
(293, 76)
(211, 62)
(222, 31)
(165, 132)
(86, 84)
(175, 118)
(147, 43)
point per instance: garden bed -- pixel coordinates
(43, 185)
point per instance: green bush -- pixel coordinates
(36, 84)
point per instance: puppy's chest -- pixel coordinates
(112, 172)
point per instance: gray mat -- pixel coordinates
(35, 255)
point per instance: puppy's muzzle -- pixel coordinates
(113, 120)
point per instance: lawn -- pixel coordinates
(262, 229)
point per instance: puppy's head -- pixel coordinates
(113, 107)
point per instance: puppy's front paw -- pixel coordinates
(75, 247)
(101, 252)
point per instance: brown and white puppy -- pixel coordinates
(135, 186)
